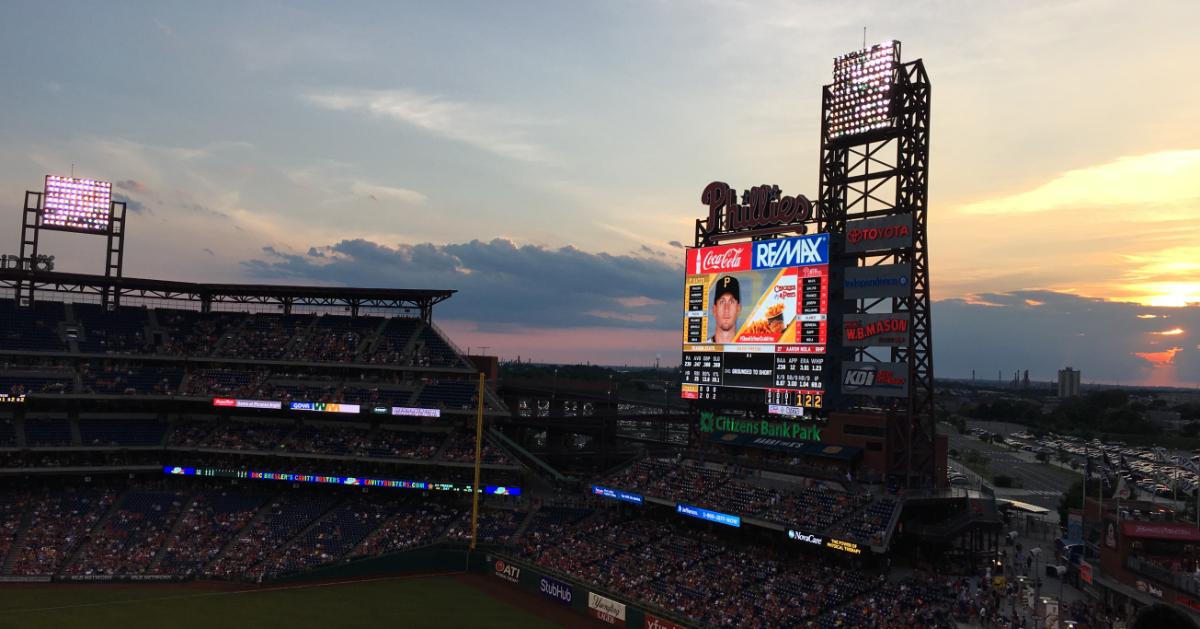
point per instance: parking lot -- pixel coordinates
(1152, 474)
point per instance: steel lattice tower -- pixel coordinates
(885, 172)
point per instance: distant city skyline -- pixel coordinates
(547, 160)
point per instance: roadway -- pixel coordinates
(1042, 484)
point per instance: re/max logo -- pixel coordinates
(783, 252)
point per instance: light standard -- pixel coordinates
(1037, 581)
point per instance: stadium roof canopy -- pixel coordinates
(117, 289)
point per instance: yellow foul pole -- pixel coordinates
(478, 450)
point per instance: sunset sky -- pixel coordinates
(546, 159)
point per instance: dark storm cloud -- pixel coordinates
(137, 207)
(131, 185)
(498, 281)
(1043, 331)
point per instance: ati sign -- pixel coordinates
(866, 330)
(882, 379)
(762, 207)
(508, 572)
(711, 422)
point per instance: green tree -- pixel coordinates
(1073, 499)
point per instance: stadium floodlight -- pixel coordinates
(79, 205)
(861, 93)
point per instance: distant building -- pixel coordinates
(1068, 382)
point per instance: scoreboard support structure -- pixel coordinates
(884, 172)
(31, 227)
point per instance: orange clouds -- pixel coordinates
(1171, 332)
(1159, 359)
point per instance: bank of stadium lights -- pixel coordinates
(76, 204)
(862, 90)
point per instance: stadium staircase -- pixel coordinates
(274, 556)
(366, 348)
(412, 340)
(294, 347)
(19, 432)
(171, 533)
(73, 425)
(520, 530)
(73, 553)
(259, 516)
(18, 541)
(228, 336)
(514, 450)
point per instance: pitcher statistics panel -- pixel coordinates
(755, 317)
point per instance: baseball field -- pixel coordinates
(459, 600)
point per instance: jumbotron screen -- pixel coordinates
(76, 205)
(754, 325)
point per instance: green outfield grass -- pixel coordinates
(408, 602)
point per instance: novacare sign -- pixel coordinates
(711, 422)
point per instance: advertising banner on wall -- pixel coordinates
(882, 379)
(507, 571)
(654, 622)
(606, 609)
(867, 330)
(556, 590)
(884, 280)
(875, 234)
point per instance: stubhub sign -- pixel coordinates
(798, 251)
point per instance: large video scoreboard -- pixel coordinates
(755, 322)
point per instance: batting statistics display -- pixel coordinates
(755, 317)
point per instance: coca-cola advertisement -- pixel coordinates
(723, 259)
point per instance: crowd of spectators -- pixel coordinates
(207, 526)
(121, 379)
(127, 541)
(57, 521)
(414, 524)
(810, 505)
(461, 449)
(133, 330)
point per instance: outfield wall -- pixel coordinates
(431, 559)
(615, 609)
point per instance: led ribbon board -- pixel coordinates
(225, 402)
(407, 411)
(325, 407)
(78, 205)
(862, 90)
(709, 516)
(354, 481)
(617, 494)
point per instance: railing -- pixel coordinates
(1185, 582)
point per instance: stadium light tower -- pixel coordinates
(874, 181)
(71, 204)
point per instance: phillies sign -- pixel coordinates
(866, 330)
(764, 254)
(761, 208)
